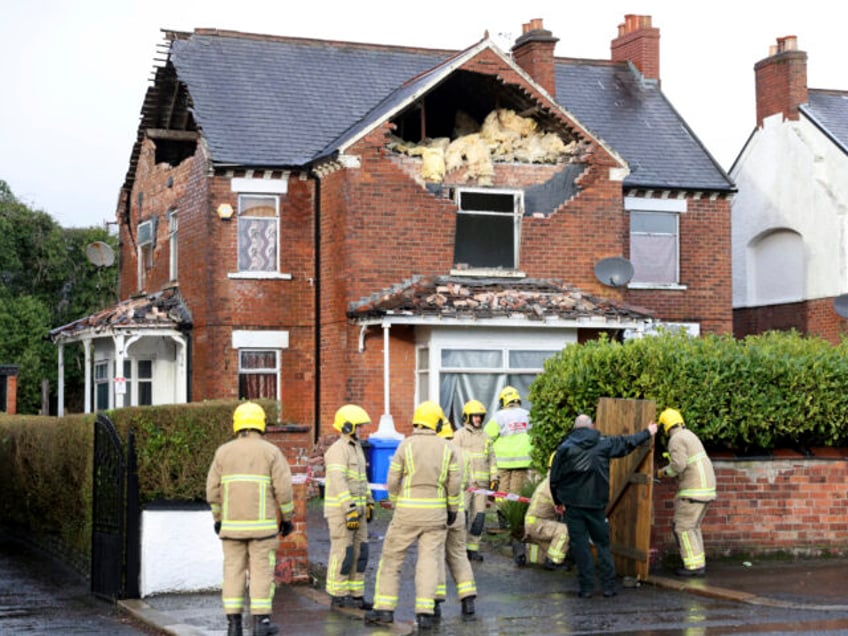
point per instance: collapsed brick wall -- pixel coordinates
(797, 507)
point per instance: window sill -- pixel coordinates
(492, 272)
(663, 286)
(259, 276)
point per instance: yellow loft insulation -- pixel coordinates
(504, 136)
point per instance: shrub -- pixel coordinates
(778, 389)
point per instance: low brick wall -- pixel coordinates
(292, 552)
(766, 506)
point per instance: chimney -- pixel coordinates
(781, 80)
(638, 42)
(534, 52)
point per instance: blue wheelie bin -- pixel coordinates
(380, 453)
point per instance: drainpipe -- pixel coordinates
(386, 429)
(316, 284)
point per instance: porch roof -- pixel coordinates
(163, 310)
(507, 301)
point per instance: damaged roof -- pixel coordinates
(162, 310)
(266, 101)
(456, 297)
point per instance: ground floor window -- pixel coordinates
(101, 385)
(259, 374)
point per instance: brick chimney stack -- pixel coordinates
(638, 42)
(534, 52)
(781, 80)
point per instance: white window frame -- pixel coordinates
(517, 214)
(102, 366)
(275, 370)
(675, 207)
(173, 227)
(244, 217)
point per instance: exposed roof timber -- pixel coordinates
(172, 135)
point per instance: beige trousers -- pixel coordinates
(688, 516)
(550, 535)
(431, 552)
(348, 558)
(456, 559)
(257, 557)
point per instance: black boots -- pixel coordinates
(468, 609)
(234, 625)
(379, 617)
(474, 555)
(355, 602)
(425, 621)
(262, 626)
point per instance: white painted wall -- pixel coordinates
(180, 552)
(790, 177)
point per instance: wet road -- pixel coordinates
(41, 596)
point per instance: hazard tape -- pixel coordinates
(303, 478)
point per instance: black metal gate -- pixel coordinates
(115, 546)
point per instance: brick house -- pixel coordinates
(323, 222)
(789, 221)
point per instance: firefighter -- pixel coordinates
(348, 507)
(248, 484)
(477, 447)
(423, 483)
(688, 462)
(509, 429)
(456, 556)
(543, 524)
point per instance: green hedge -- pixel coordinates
(46, 466)
(776, 390)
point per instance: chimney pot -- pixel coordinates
(638, 42)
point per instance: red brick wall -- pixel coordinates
(811, 317)
(705, 271)
(770, 506)
(292, 551)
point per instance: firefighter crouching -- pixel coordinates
(477, 447)
(248, 482)
(543, 526)
(423, 484)
(688, 462)
(348, 507)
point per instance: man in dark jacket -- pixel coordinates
(580, 481)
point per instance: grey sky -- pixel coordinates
(75, 72)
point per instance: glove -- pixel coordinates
(451, 517)
(660, 473)
(286, 528)
(217, 527)
(352, 519)
(494, 484)
(369, 512)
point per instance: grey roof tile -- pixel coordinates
(267, 101)
(829, 111)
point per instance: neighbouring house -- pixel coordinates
(322, 222)
(790, 217)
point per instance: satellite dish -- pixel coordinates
(614, 271)
(840, 305)
(100, 254)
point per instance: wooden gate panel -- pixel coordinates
(630, 510)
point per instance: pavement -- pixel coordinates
(532, 600)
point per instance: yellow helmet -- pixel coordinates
(249, 416)
(446, 431)
(349, 417)
(671, 418)
(429, 415)
(509, 394)
(472, 407)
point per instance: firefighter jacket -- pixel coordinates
(509, 429)
(580, 470)
(690, 464)
(477, 447)
(541, 507)
(346, 483)
(423, 481)
(248, 482)
(464, 462)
